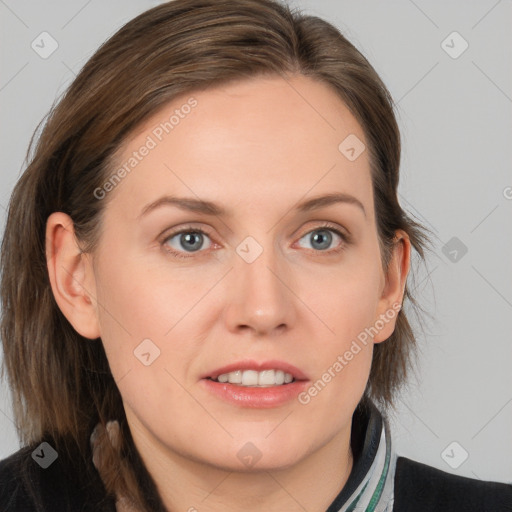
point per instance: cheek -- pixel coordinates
(343, 355)
(345, 299)
(134, 298)
(131, 306)
(347, 304)
(137, 314)
(144, 308)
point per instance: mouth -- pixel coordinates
(254, 378)
(252, 384)
(250, 373)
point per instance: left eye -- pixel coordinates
(322, 238)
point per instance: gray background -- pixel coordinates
(456, 123)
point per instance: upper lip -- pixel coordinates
(247, 364)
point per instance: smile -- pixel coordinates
(253, 378)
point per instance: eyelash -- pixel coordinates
(190, 229)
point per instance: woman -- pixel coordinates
(204, 310)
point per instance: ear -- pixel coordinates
(71, 276)
(393, 290)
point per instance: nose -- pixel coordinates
(260, 298)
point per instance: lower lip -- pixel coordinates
(256, 397)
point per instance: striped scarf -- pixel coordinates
(375, 492)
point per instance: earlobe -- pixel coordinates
(394, 288)
(71, 276)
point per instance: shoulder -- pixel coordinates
(13, 493)
(51, 482)
(422, 488)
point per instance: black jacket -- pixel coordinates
(72, 484)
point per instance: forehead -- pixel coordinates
(246, 143)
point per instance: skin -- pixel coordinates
(257, 147)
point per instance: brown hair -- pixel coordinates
(61, 382)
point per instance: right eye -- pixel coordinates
(186, 238)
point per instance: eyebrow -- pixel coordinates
(210, 208)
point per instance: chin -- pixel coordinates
(260, 462)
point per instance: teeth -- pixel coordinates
(235, 377)
(249, 378)
(267, 378)
(252, 378)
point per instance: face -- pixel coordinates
(185, 294)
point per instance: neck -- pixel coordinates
(193, 486)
